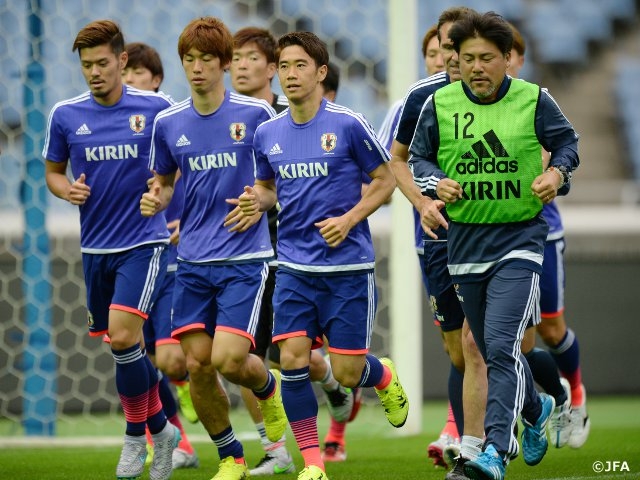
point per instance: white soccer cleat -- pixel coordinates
(560, 421)
(182, 459)
(132, 458)
(580, 423)
(274, 463)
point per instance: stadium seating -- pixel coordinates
(628, 99)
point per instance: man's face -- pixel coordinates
(449, 55)
(483, 67)
(102, 70)
(299, 76)
(203, 71)
(250, 70)
(433, 61)
(141, 78)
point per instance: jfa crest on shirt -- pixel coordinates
(328, 141)
(238, 131)
(137, 122)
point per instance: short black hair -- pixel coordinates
(490, 26)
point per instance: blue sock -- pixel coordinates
(567, 353)
(455, 396)
(545, 374)
(132, 383)
(372, 373)
(298, 396)
(169, 404)
(156, 419)
(227, 444)
(266, 391)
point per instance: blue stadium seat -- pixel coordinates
(628, 98)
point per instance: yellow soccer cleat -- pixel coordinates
(230, 470)
(186, 404)
(393, 398)
(273, 414)
(312, 473)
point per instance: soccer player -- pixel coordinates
(221, 274)
(144, 71)
(105, 135)
(252, 70)
(310, 159)
(496, 233)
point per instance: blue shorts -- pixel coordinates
(127, 281)
(425, 283)
(552, 280)
(157, 328)
(214, 297)
(341, 307)
(442, 294)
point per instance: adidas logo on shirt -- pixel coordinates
(183, 141)
(275, 150)
(83, 130)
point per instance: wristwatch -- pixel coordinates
(564, 172)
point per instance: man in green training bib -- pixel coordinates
(478, 143)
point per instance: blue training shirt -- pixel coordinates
(318, 167)
(215, 155)
(110, 145)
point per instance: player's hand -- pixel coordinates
(448, 190)
(150, 202)
(249, 201)
(237, 218)
(79, 191)
(431, 218)
(174, 228)
(334, 230)
(545, 186)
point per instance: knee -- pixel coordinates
(173, 366)
(551, 332)
(348, 371)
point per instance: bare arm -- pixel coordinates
(59, 184)
(400, 165)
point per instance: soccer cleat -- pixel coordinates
(580, 423)
(132, 458)
(451, 450)
(272, 464)
(435, 450)
(163, 445)
(186, 403)
(560, 422)
(333, 452)
(340, 403)
(488, 466)
(180, 458)
(457, 472)
(393, 397)
(534, 437)
(273, 414)
(230, 470)
(312, 472)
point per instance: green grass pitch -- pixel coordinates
(375, 450)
